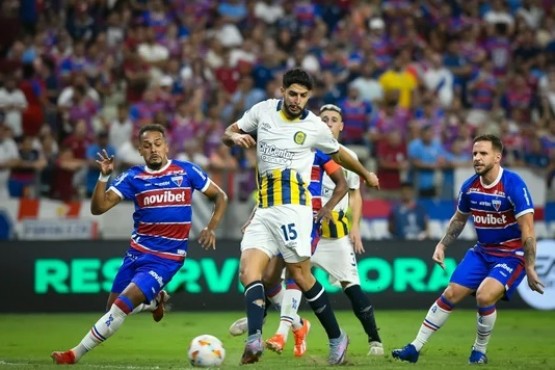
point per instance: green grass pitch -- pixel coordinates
(522, 339)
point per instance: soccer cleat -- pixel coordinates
(300, 338)
(407, 353)
(276, 343)
(253, 350)
(63, 358)
(477, 357)
(376, 349)
(239, 327)
(161, 300)
(338, 349)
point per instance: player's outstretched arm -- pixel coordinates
(234, 136)
(343, 158)
(207, 237)
(526, 224)
(102, 200)
(454, 229)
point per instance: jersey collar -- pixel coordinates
(495, 182)
(303, 115)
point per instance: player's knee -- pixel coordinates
(485, 298)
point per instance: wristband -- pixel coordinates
(103, 178)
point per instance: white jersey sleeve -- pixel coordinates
(251, 118)
(325, 140)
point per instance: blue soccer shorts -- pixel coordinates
(477, 265)
(150, 273)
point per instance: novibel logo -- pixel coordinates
(489, 219)
(164, 197)
(545, 267)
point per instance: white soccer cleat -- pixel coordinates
(376, 349)
(239, 327)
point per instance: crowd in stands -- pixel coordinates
(416, 81)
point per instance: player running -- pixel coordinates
(286, 135)
(162, 191)
(503, 215)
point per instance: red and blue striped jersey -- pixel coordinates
(163, 213)
(495, 209)
(322, 163)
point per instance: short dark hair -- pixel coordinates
(297, 76)
(496, 142)
(152, 127)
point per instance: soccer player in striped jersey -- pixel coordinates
(340, 240)
(162, 191)
(503, 215)
(287, 300)
(287, 135)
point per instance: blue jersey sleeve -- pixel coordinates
(199, 179)
(519, 196)
(463, 201)
(122, 185)
(321, 158)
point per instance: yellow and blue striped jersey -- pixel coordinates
(340, 225)
(282, 187)
(285, 151)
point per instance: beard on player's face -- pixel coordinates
(483, 169)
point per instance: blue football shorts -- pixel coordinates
(150, 273)
(477, 265)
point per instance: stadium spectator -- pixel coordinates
(24, 177)
(12, 105)
(98, 146)
(408, 219)
(393, 163)
(9, 157)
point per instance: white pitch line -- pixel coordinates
(130, 367)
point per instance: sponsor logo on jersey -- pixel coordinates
(504, 266)
(496, 203)
(164, 197)
(299, 137)
(265, 126)
(489, 219)
(272, 154)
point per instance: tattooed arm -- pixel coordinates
(526, 224)
(454, 229)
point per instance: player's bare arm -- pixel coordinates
(343, 158)
(355, 203)
(339, 191)
(233, 135)
(454, 229)
(526, 224)
(102, 200)
(207, 237)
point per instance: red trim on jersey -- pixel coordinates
(166, 255)
(165, 230)
(316, 203)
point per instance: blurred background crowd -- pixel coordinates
(416, 81)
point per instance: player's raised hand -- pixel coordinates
(244, 140)
(105, 162)
(533, 280)
(372, 180)
(439, 255)
(207, 238)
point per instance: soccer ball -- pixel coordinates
(206, 351)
